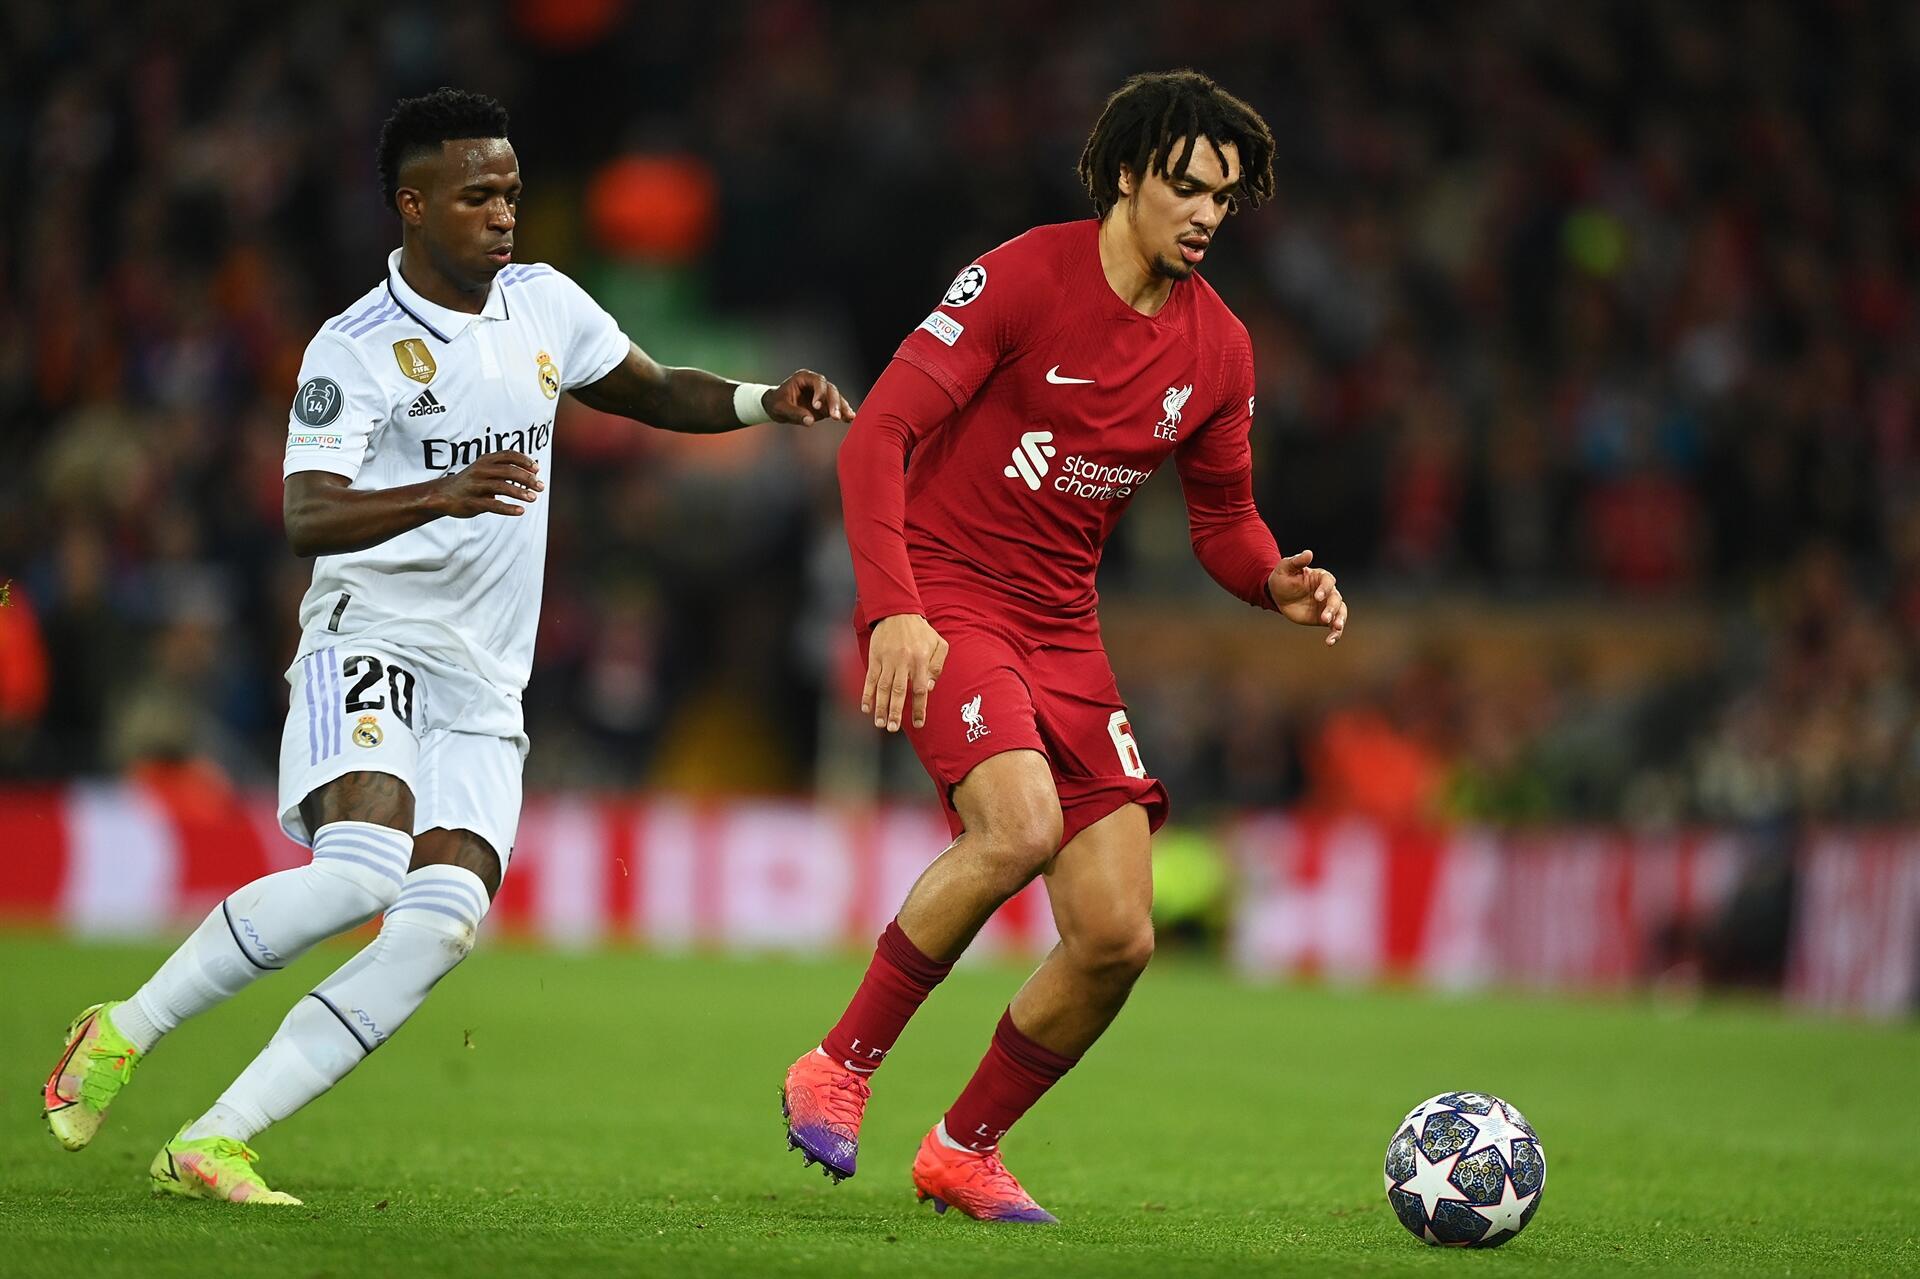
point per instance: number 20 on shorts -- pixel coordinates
(400, 685)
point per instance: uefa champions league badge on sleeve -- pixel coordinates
(966, 286)
(318, 401)
(1465, 1170)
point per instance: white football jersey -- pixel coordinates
(396, 390)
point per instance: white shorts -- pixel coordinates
(358, 707)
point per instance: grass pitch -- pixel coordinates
(616, 1113)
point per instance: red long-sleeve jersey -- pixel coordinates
(998, 450)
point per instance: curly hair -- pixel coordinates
(423, 123)
(1144, 117)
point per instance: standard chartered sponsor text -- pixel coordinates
(1082, 477)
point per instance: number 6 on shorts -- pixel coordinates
(1124, 745)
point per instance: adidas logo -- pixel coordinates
(1030, 459)
(426, 406)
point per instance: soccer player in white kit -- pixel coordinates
(416, 446)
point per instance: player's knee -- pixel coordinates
(1023, 837)
(457, 944)
(461, 848)
(355, 893)
(1118, 951)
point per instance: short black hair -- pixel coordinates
(1141, 120)
(423, 123)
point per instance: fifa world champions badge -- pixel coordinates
(415, 360)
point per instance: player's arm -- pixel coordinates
(323, 516)
(1237, 549)
(696, 402)
(904, 653)
(936, 371)
(1229, 538)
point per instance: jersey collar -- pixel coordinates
(438, 320)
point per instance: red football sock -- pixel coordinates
(1012, 1076)
(897, 981)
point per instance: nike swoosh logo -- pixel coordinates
(1053, 376)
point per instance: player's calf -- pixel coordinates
(825, 1092)
(356, 872)
(428, 931)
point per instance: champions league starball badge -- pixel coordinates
(966, 286)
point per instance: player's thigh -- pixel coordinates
(346, 754)
(1089, 736)
(1010, 798)
(981, 709)
(1101, 889)
(468, 811)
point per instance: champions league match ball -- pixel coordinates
(1465, 1170)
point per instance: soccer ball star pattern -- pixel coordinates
(1465, 1169)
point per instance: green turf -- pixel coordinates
(616, 1113)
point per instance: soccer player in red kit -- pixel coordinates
(980, 482)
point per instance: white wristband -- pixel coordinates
(748, 403)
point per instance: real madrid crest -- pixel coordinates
(367, 732)
(549, 375)
(415, 360)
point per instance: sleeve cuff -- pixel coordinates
(876, 611)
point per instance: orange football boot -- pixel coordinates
(823, 1103)
(977, 1184)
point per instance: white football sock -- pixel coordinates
(357, 870)
(429, 930)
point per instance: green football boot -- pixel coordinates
(94, 1066)
(212, 1168)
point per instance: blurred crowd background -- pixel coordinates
(1585, 336)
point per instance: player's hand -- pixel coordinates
(1308, 595)
(904, 657)
(805, 398)
(478, 489)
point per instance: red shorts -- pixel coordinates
(998, 693)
